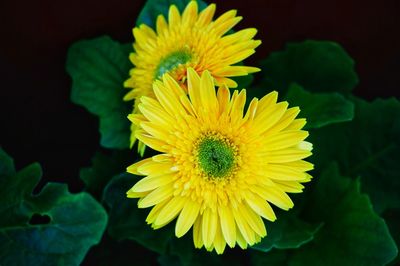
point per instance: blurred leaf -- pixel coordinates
(287, 232)
(244, 82)
(318, 66)
(119, 253)
(104, 167)
(127, 221)
(392, 218)
(272, 258)
(74, 222)
(182, 252)
(153, 8)
(98, 68)
(353, 234)
(320, 109)
(367, 147)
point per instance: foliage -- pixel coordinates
(53, 227)
(98, 69)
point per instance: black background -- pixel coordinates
(39, 123)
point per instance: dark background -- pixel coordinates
(39, 123)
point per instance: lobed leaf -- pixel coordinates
(320, 109)
(98, 68)
(318, 66)
(287, 232)
(353, 234)
(366, 147)
(67, 225)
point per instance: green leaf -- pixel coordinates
(6, 165)
(318, 66)
(127, 221)
(98, 68)
(76, 221)
(287, 232)
(367, 147)
(392, 218)
(320, 109)
(353, 234)
(153, 8)
(104, 167)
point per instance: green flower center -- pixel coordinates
(216, 157)
(171, 62)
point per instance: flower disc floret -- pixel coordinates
(216, 156)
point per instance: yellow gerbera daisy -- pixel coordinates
(219, 169)
(194, 40)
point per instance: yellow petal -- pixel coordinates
(284, 122)
(274, 195)
(238, 57)
(152, 182)
(237, 107)
(297, 124)
(133, 169)
(155, 130)
(162, 158)
(189, 15)
(228, 226)
(230, 83)
(156, 168)
(300, 165)
(290, 186)
(207, 93)
(132, 194)
(242, 35)
(197, 233)
(209, 226)
(206, 16)
(260, 206)
(187, 218)
(285, 139)
(194, 88)
(161, 25)
(219, 242)
(169, 212)
(167, 99)
(174, 18)
(243, 226)
(269, 117)
(156, 115)
(283, 172)
(223, 97)
(222, 28)
(267, 101)
(152, 142)
(286, 155)
(240, 239)
(254, 220)
(156, 196)
(155, 211)
(305, 145)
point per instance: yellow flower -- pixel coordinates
(191, 39)
(219, 169)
